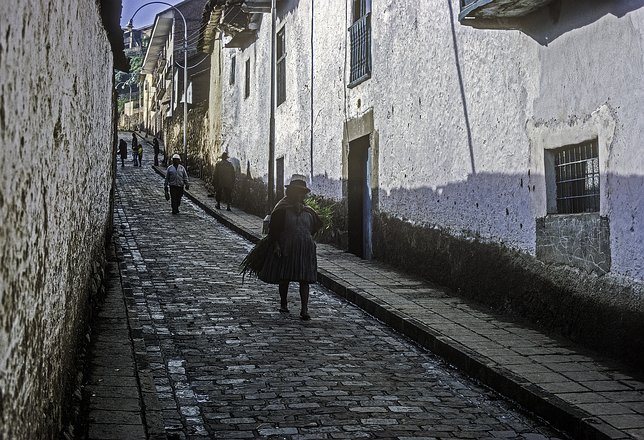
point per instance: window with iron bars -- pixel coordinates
(233, 67)
(247, 84)
(281, 66)
(360, 33)
(577, 177)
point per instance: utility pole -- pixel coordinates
(271, 138)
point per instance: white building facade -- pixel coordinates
(519, 133)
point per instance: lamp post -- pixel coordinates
(185, 71)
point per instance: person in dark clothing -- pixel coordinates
(140, 153)
(176, 178)
(224, 181)
(293, 257)
(155, 144)
(135, 150)
(123, 151)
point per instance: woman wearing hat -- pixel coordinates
(293, 256)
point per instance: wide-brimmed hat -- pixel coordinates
(298, 182)
(176, 156)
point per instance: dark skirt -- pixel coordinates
(298, 260)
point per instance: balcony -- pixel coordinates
(360, 33)
(471, 9)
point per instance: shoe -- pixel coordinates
(305, 317)
(228, 209)
(284, 310)
(217, 206)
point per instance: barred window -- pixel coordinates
(360, 34)
(233, 67)
(577, 177)
(281, 66)
(247, 85)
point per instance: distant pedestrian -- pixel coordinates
(135, 150)
(288, 253)
(123, 151)
(140, 153)
(155, 144)
(176, 178)
(224, 181)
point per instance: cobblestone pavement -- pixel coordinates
(224, 363)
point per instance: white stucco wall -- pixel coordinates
(245, 125)
(461, 115)
(56, 83)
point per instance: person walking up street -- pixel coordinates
(288, 253)
(176, 178)
(140, 153)
(123, 151)
(224, 181)
(135, 150)
(155, 144)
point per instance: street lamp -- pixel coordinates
(129, 84)
(185, 70)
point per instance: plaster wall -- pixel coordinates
(57, 139)
(245, 120)
(214, 115)
(461, 115)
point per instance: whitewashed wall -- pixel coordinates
(55, 179)
(462, 115)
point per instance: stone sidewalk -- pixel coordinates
(113, 392)
(588, 396)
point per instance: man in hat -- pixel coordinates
(176, 178)
(224, 181)
(293, 258)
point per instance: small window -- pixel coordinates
(247, 85)
(360, 36)
(233, 67)
(281, 66)
(576, 176)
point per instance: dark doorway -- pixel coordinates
(279, 177)
(359, 198)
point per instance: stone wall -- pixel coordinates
(605, 313)
(580, 240)
(56, 175)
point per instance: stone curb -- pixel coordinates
(559, 413)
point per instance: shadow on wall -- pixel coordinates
(560, 17)
(284, 8)
(604, 312)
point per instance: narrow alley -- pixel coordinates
(226, 364)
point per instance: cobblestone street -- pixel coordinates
(226, 364)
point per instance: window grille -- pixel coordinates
(360, 32)
(577, 178)
(233, 66)
(281, 66)
(247, 85)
